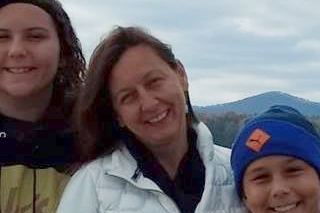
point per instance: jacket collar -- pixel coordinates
(204, 143)
(122, 164)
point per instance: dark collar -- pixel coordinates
(187, 187)
(35, 144)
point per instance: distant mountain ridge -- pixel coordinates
(259, 103)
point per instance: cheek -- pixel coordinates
(3, 53)
(50, 58)
(255, 197)
(312, 200)
(311, 193)
(127, 115)
(176, 93)
(307, 185)
(55, 56)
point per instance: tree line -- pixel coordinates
(224, 127)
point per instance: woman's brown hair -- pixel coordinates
(94, 117)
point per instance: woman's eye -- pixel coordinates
(128, 98)
(154, 81)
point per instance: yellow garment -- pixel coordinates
(18, 184)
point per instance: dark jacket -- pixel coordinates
(33, 160)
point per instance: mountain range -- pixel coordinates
(259, 103)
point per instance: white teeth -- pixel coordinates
(159, 117)
(18, 70)
(285, 208)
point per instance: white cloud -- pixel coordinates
(231, 49)
(225, 87)
(312, 45)
(248, 25)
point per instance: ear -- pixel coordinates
(117, 118)
(182, 75)
(120, 122)
(245, 201)
(62, 63)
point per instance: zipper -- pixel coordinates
(34, 196)
(134, 179)
(0, 188)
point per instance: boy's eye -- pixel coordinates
(261, 178)
(4, 37)
(295, 170)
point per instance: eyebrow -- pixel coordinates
(37, 28)
(146, 76)
(255, 170)
(261, 168)
(27, 29)
(292, 160)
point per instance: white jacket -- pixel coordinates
(106, 184)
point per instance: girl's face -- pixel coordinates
(148, 97)
(281, 184)
(29, 51)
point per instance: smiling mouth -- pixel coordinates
(159, 117)
(285, 208)
(18, 70)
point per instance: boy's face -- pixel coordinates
(281, 184)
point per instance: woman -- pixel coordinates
(134, 112)
(40, 65)
(276, 163)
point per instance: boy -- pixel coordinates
(276, 163)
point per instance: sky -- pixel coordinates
(231, 49)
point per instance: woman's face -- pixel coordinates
(281, 184)
(148, 97)
(29, 51)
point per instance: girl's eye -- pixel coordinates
(36, 37)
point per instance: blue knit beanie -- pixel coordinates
(281, 130)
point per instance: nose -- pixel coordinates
(147, 100)
(280, 187)
(17, 49)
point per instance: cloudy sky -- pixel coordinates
(231, 49)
